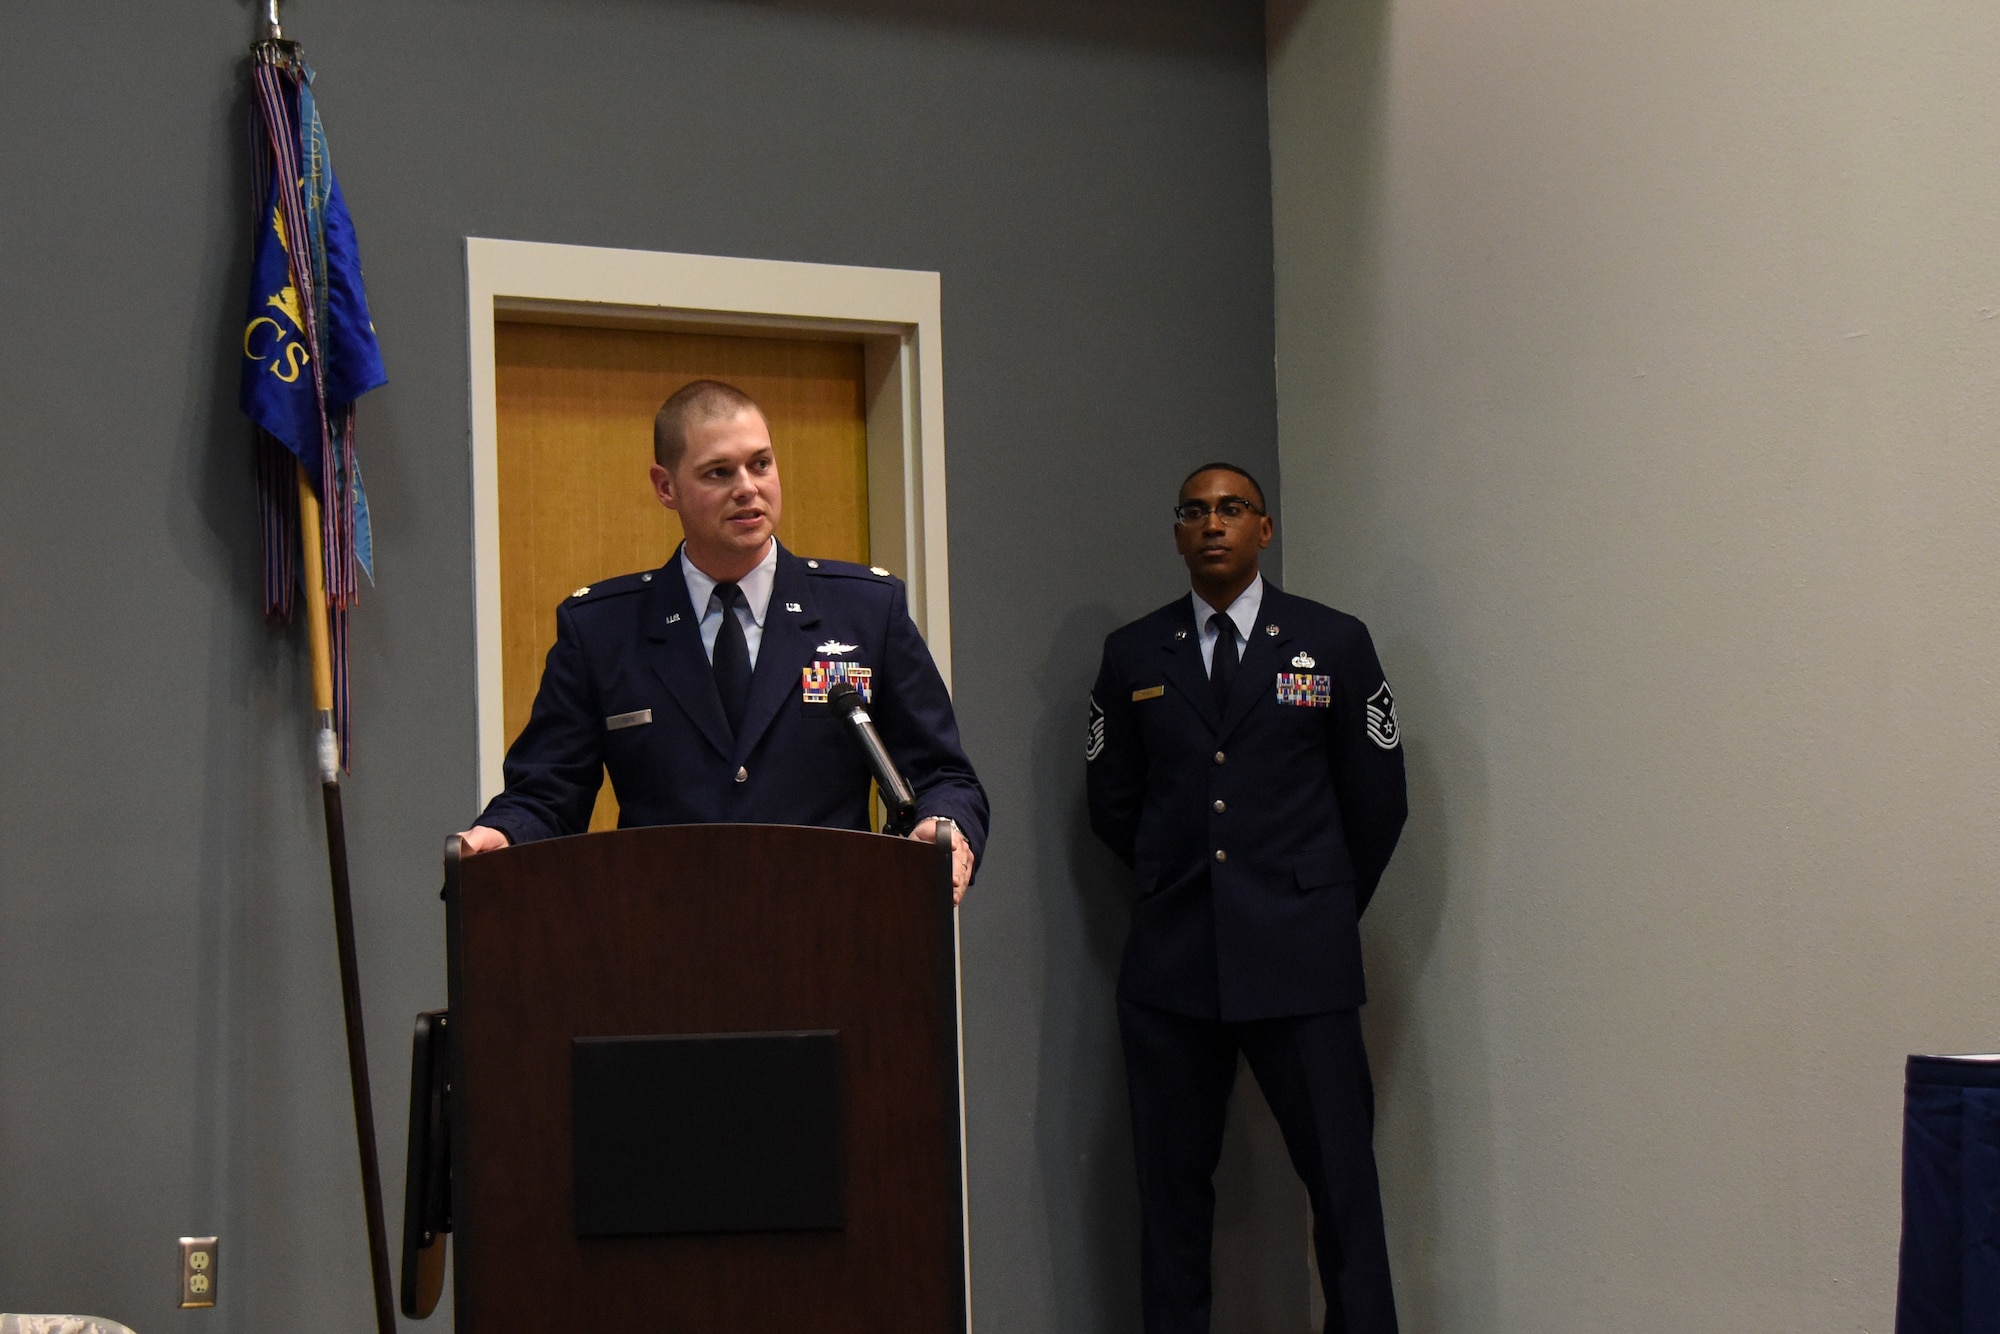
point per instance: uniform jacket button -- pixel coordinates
(1218, 757)
(1221, 856)
(742, 774)
(1221, 806)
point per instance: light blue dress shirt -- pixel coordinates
(756, 587)
(1242, 614)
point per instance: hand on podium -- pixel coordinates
(961, 857)
(480, 838)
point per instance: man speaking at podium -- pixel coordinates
(702, 686)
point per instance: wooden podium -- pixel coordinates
(706, 1078)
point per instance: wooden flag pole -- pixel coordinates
(314, 554)
(317, 637)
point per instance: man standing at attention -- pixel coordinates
(701, 687)
(1244, 758)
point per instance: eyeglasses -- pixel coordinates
(1230, 509)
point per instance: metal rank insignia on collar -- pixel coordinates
(1304, 690)
(1304, 659)
(820, 677)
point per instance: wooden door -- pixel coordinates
(576, 409)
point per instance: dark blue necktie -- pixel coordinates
(732, 658)
(1222, 671)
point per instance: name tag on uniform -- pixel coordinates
(818, 678)
(1305, 690)
(637, 718)
(1150, 692)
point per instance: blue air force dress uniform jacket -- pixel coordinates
(628, 690)
(1259, 831)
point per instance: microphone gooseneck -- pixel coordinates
(852, 710)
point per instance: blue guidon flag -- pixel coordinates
(309, 352)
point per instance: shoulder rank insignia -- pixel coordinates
(581, 591)
(1304, 660)
(877, 569)
(834, 646)
(1305, 690)
(1383, 729)
(818, 678)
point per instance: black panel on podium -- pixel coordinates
(716, 1132)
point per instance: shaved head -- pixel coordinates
(693, 403)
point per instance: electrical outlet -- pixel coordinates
(198, 1271)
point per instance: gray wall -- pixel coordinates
(1091, 180)
(1638, 386)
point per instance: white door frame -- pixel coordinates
(894, 313)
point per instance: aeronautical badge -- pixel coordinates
(1382, 726)
(835, 647)
(820, 677)
(1093, 739)
(1304, 690)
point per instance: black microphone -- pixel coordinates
(896, 794)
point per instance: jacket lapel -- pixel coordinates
(674, 652)
(1180, 654)
(1257, 674)
(785, 650)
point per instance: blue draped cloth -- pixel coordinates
(1949, 1279)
